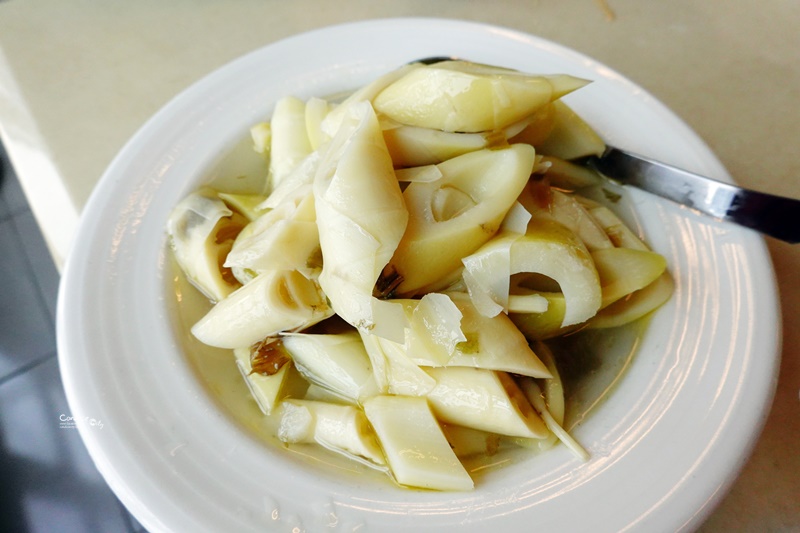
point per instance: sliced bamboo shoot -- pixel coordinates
(246, 204)
(538, 126)
(485, 400)
(470, 442)
(534, 393)
(435, 328)
(618, 232)
(202, 230)
(548, 249)
(635, 306)
(416, 449)
(337, 362)
(333, 121)
(571, 137)
(551, 250)
(553, 387)
(394, 371)
(565, 209)
(489, 343)
(289, 140)
(547, 324)
(453, 216)
(569, 176)
(340, 428)
(284, 238)
(412, 146)
(625, 270)
(265, 389)
(275, 301)
(361, 215)
(316, 111)
(459, 96)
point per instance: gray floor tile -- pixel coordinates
(40, 262)
(12, 199)
(26, 327)
(49, 481)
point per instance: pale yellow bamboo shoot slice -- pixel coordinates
(551, 250)
(333, 121)
(416, 450)
(618, 232)
(571, 137)
(537, 127)
(527, 303)
(470, 442)
(485, 400)
(315, 112)
(435, 328)
(394, 370)
(534, 393)
(636, 305)
(553, 387)
(623, 271)
(247, 205)
(489, 343)
(361, 215)
(202, 230)
(412, 146)
(273, 302)
(295, 183)
(261, 134)
(377, 360)
(289, 142)
(569, 212)
(337, 362)
(487, 274)
(340, 428)
(568, 175)
(516, 220)
(284, 238)
(459, 96)
(547, 249)
(265, 389)
(547, 324)
(453, 216)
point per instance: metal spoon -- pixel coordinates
(772, 215)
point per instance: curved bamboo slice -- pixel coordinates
(452, 217)
(265, 389)
(289, 142)
(460, 96)
(202, 230)
(342, 429)
(485, 400)
(491, 343)
(360, 214)
(284, 238)
(274, 302)
(336, 362)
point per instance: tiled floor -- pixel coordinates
(48, 482)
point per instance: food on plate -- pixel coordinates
(391, 292)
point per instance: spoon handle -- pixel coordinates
(772, 215)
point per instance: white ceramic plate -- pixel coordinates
(665, 446)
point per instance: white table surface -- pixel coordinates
(78, 78)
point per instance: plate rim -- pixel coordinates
(72, 268)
